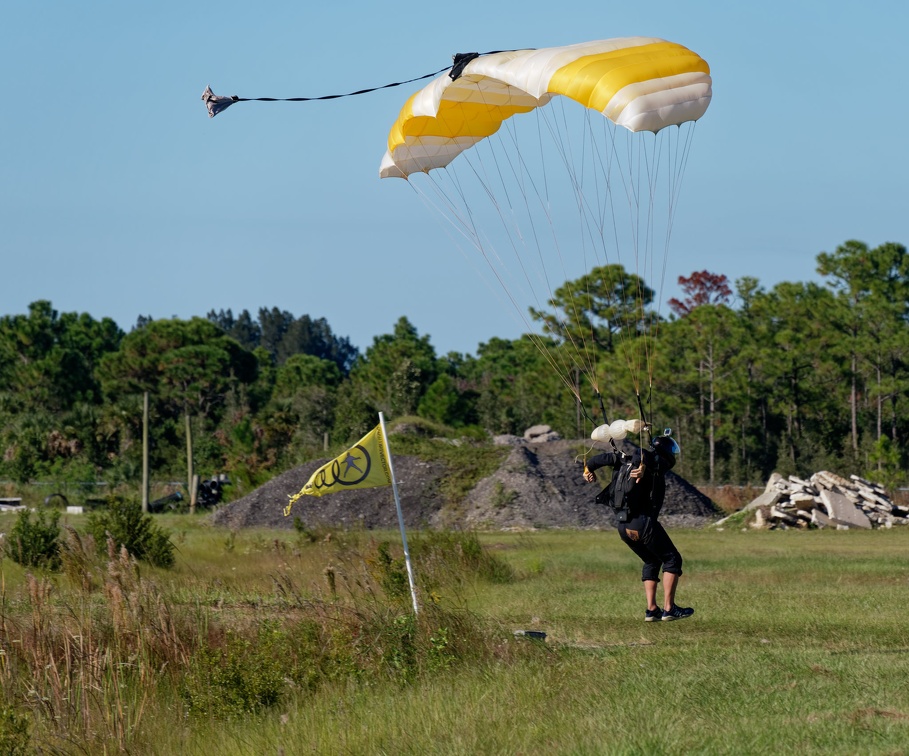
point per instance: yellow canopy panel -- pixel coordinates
(641, 83)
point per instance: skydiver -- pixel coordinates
(636, 493)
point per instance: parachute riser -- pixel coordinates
(646, 428)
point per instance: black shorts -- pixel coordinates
(650, 541)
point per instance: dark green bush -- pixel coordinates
(233, 681)
(14, 733)
(35, 543)
(234, 676)
(131, 528)
(391, 572)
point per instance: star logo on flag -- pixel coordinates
(350, 462)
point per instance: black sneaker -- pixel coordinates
(653, 615)
(677, 612)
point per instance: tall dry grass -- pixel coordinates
(99, 655)
(258, 642)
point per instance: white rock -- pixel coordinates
(769, 498)
(844, 512)
(819, 518)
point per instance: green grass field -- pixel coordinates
(283, 642)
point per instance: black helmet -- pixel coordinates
(667, 448)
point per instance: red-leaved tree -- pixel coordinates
(701, 288)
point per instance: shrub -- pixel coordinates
(459, 555)
(391, 572)
(132, 529)
(232, 681)
(236, 674)
(35, 543)
(14, 733)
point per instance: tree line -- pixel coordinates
(797, 378)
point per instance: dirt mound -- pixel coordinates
(539, 485)
(368, 508)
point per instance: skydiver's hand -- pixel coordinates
(589, 475)
(638, 472)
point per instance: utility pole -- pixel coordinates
(190, 478)
(145, 452)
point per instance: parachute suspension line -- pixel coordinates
(603, 191)
(467, 226)
(653, 163)
(604, 202)
(471, 233)
(597, 215)
(649, 162)
(487, 251)
(584, 351)
(584, 346)
(650, 321)
(666, 137)
(679, 149)
(460, 218)
(522, 176)
(591, 224)
(594, 218)
(543, 162)
(486, 184)
(629, 185)
(640, 162)
(640, 250)
(545, 200)
(611, 167)
(668, 143)
(680, 164)
(643, 253)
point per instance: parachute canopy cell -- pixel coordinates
(640, 83)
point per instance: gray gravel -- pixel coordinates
(538, 486)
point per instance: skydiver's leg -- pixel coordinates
(670, 582)
(630, 533)
(662, 547)
(650, 591)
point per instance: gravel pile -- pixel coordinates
(538, 486)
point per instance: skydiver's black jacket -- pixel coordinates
(623, 493)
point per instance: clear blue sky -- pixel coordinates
(120, 197)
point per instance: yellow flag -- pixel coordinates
(364, 465)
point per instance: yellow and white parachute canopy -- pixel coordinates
(586, 180)
(640, 83)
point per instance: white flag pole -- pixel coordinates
(394, 485)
